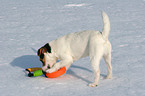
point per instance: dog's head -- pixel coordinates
(46, 57)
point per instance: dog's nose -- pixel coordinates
(48, 67)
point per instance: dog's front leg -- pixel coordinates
(64, 62)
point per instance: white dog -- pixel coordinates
(74, 46)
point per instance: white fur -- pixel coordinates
(74, 46)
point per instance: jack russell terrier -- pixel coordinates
(74, 46)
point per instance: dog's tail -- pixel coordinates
(106, 28)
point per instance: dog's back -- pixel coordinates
(77, 44)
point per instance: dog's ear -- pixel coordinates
(47, 46)
(38, 52)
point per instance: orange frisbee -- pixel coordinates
(57, 73)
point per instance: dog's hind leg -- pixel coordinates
(95, 57)
(107, 59)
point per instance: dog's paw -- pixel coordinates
(50, 70)
(108, 77)
(93, 85)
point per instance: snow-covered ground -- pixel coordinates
(26, 25)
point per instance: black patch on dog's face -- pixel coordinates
(47, 46)
(43, 49)
(40, 53)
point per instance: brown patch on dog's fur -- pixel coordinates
(46, 48)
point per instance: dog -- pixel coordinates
(74, 46)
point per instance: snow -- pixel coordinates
(26, 25)
(74, 5)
